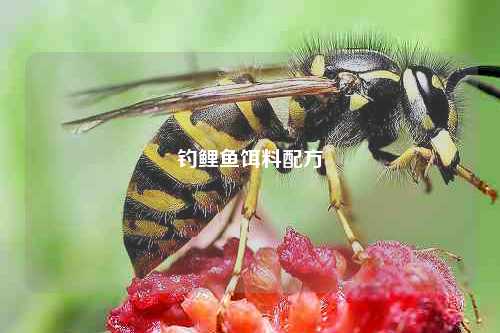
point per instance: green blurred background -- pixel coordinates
(63, 264)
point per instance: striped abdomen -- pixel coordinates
(167, 204)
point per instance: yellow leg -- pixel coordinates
(167, 263)
(427, 183)
(442, 252)
(421, 172)
(334, 186)
(465, 283)
(248, 211)
(417, 161)
(231, 217)
(238, 264)
(250, 203)
(346, 198)
(404, 161)
(472, 179)
(336, 201)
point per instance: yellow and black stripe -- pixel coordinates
(167, 204)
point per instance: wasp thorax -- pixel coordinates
(427, 106)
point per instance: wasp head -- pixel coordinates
(431, 116)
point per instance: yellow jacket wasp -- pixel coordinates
(340, 94)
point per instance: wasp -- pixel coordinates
(340, 94)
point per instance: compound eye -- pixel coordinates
(427, 99)
(423, 82)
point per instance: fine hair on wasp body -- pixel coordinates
(341, 93)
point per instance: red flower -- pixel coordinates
(319, 268)
(398, 289)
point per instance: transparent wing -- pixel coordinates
(94, 95)
(198, 98)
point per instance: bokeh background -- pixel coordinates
(61, 257)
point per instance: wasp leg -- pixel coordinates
(168, 262)
(416, 160)
(419, 170)
(248, 211)
(336, 200)
(404, 161)
(423, 173)
(472, 179)
(334, 187)
(347, 203)
(230, 218)
(238, 264)
(465, 282)
(344, 188)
